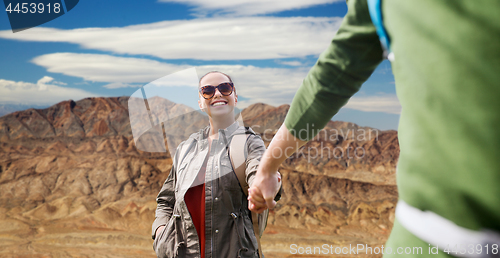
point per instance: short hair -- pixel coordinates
(229, 77)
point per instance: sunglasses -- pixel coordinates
(225, 88)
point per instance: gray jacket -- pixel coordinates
(228, 226)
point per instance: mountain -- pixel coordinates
(10, 108)
(74, 183)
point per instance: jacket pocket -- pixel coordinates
(170, 242)
(248, 243)
(159, 239)
(160, 242)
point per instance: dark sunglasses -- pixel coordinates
(225, 88)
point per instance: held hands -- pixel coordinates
(267, 182)
(264, 189)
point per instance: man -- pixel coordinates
(446, 63)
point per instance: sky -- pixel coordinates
(111, 48)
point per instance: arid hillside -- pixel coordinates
(74, 184)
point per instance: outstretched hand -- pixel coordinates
(266, 184)
(264, 189)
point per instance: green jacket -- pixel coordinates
(447, 72)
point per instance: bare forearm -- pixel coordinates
(267, 180)
(283, 145)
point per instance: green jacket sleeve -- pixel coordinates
(347, 63)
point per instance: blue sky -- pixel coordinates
(110, 48)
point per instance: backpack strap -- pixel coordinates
(238, 156)
(375, 9)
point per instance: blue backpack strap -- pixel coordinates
(375, 8)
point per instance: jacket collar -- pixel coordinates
(230, 130)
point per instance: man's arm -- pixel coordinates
(352, 56)
(349, 60)
(282, 146)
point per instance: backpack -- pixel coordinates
(238, 155)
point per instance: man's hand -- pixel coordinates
(266, 183)
(259, 200)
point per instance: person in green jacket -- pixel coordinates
(446, 64)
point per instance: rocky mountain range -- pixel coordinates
(75, 184)
(10, 108)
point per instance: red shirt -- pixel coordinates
(195, 202)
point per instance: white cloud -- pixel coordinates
(202, 39)
(249, 7)
(44, 92)
(273, 86)
(290, 63)
(116, 85)
(44, 80)
(386, 103)
(118, 71)
(60, 83)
